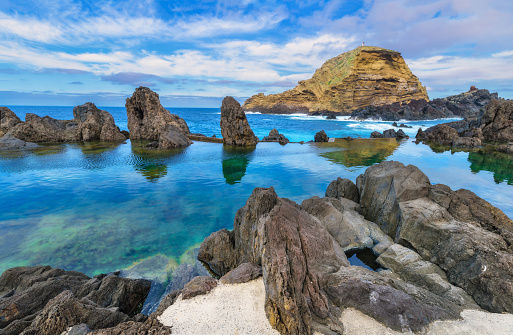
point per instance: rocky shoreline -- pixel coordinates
(440, 253)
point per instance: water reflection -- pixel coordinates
(360, 152)
(500, 164)
(235, 162)
(152, 163)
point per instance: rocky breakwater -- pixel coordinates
(365, 76)
(45, 301)
(148, 120)
(89, 124)
(467, 104)
(234, 125)
(494, 125)
(442, 251)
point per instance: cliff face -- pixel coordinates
(365, 76)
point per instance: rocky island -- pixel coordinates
(365, 76)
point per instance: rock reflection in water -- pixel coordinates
(152, 163)
(501, 165)
(360, 152)
(235, 162)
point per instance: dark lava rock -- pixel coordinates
(275, 136)
(343, 188)
(25, 291)
(321, 137)
(376, 134)
(497, 121)
(242, 274)
(198, 286)
(234, 124)
(389, 133)
(468, 104)
(148, 120)
(331, 116)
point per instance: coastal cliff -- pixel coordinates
(365, 76)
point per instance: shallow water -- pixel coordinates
(98, 207)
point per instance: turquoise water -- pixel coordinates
(99, 207)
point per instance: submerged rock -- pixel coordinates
(234, 125)
(149, 121)
(10, 142)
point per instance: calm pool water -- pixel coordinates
(99, 207)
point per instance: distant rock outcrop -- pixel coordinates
(468, 104)
(275, 136)
(365, 76)
(494, 124)
(389, 133)
(234, 124)
(89, 124)
(148, 120)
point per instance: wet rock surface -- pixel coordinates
(10, 142)
(148, 120)
(234, 125)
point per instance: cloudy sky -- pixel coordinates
(193, 53)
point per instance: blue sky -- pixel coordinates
(193, 53)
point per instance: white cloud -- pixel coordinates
(506, 53)
(28, 28)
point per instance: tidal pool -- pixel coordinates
(99, 207)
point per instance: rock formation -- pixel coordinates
(321, 136)
(275, 136)
(149, 121)
(7, 120)
(89, 124)
(234, 124)
(494, 124)
(468, 104)
(365, 76)
(443, 250)
(389, 133)
(10, 142)
(42, 300)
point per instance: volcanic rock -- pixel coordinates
(497, 121)
(89, 124)
(10, 142)
(149, 121)
(365, 76)
(234, 124)
(242, 274)
(321, 137)
(389, 133)
(343, 188)
(468, 105)
(25, 291)
(275, 136)
(7, 120)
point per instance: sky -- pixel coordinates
(193, 53)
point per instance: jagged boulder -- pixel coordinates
(94, 124)
(389, 133)
(148, 120)
(343, 188)
(234, 124)
(7, 120)
(275, 136)
(463, 234)
(321, 136)
(497, 121)
(89, 124)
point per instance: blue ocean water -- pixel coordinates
(98, 207)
